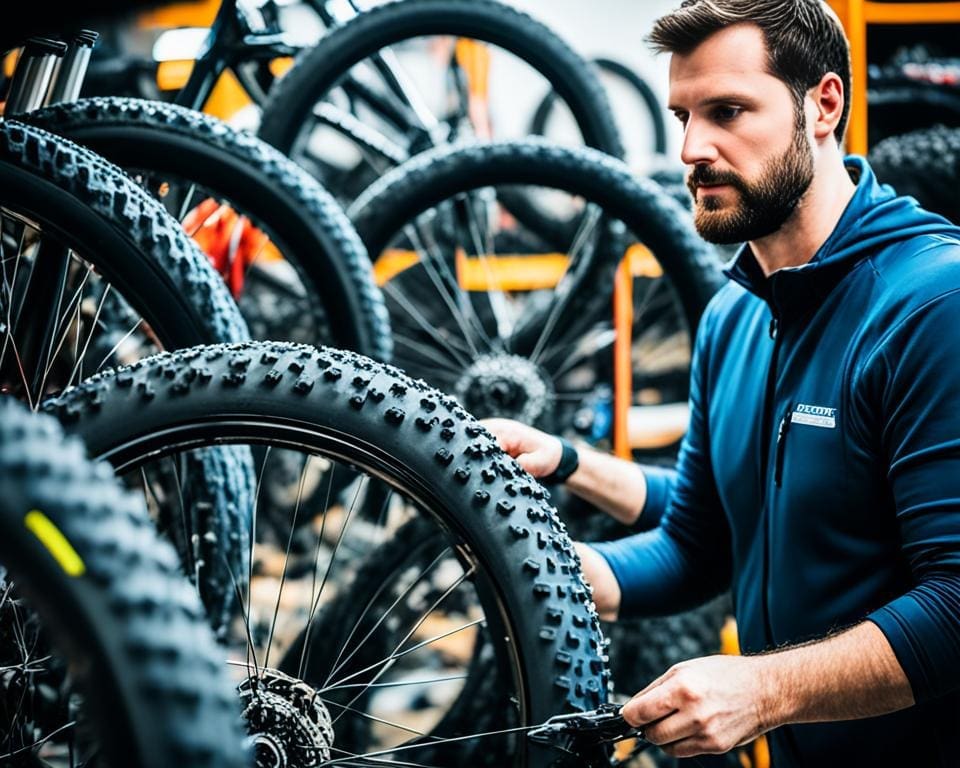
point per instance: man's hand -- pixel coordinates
(703, 706)
(714, 704)
(537, 452)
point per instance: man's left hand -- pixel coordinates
(704, 706)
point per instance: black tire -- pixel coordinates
(129, 626)
(656, 219)
(538, 123)
(318, 69)
(577, 303)
(375, 418)
(74, 199)
(86, 201)
(924, 164)
(164, 141)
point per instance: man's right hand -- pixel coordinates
(537, 452)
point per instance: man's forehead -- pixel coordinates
(731, 61)
(739, 48)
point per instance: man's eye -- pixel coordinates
(681, 116)
(725, 114)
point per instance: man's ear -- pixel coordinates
(828, 98)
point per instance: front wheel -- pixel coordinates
(492, 568)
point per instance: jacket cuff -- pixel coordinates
(916, 643)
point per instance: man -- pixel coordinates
(820, 475)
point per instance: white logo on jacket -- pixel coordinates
(815, 416)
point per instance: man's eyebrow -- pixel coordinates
(730, 98)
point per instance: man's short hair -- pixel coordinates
(804, 39)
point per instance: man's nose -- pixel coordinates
(698, 144)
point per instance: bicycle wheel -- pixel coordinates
(505, 569)
(295, 115)
(95, 273)
(106, 655)
(283, 244)
(638, 88)
(511, 342)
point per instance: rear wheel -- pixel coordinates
(521, 325)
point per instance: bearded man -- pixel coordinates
(820, 474)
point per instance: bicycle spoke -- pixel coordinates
(65, 322)
(286, 558)
(428, 353)
(400, 683)
(338, 665)
(577, 350)
(190, 565)
(185, 209)
(372, 762)
(437, 269)
(588, 224)
(253, 543)
(39, 742)
(315, 599)
(372, 718)
(408, 306)
(120, 343)
(397, 653)
(504, 318)
(438, 742)
(78, 366)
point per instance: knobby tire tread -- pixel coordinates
(428, 439)
(132, 624)
(324, 241)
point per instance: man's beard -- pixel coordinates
(763, 206)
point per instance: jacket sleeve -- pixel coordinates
(660, 483)
(915, 379)
(687, 558)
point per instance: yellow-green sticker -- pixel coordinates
(56, 543)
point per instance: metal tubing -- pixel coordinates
(69, 75)
(31, 79)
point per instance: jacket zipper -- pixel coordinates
(781, 446)
(768, 403)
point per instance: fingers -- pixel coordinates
(536, 452)
(654, 703)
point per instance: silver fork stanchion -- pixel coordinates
(68, 77)
(31, 79)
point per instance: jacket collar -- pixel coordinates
(794, 290)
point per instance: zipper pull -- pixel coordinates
(774, 325)
(781, 446)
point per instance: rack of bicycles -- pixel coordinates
(250, 515)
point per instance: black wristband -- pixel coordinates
(569, 461)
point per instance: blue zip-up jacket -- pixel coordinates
(820, 475)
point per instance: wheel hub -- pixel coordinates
(291, 726)
(508, 386)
